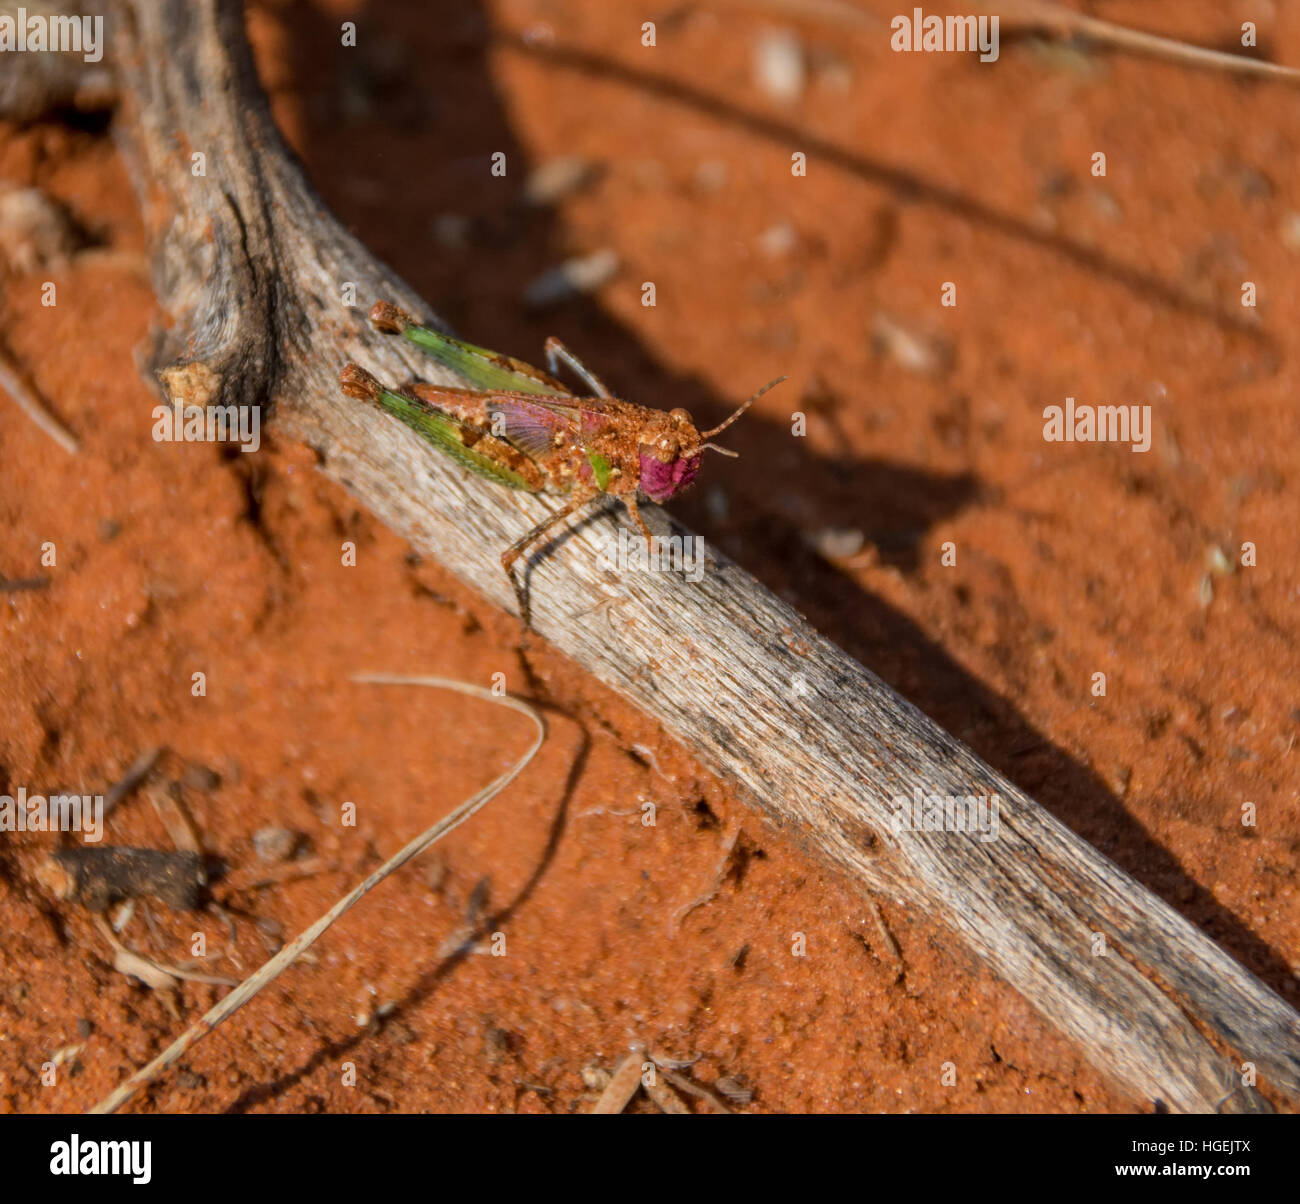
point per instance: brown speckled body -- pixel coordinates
(621, 433)
(539, 437)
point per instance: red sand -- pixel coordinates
(1073, 559)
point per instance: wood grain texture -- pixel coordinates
(251, 267)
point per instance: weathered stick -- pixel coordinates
(252, 268)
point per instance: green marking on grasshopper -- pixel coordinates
(484, 369)
(449, 436)
(600, 469)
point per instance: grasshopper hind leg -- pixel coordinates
(557, 353)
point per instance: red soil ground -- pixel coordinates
(1073, 559)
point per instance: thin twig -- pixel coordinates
(623, 1085)
(1066, 22)
(290, 953)
(258, 876)
(14, 382)
(728, 848)
(823, 12)
(887, 937)
(109, 935)
(664, 1097)
(1038, 14)
(135, 773)
(682, 1083)
(176, 819)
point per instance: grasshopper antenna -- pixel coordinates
(717, 430)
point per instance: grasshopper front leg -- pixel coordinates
(516, 549)
(629, 501)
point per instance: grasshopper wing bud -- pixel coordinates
(356, 382)
(386, 316)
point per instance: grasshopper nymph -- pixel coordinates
(523, 428)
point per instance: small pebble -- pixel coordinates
(913, 351)
(834, 76)
(779, 65)
(710, 176)
(451, 231)
(36, 232)
(399, 1033)
(1105, 205)
(1289, 231)
(539, 34)
(1217, 562)
(365, 1006)
(273, 844)
(836, 543)
(200, 777)
(552, 181)
(735, 1089)
(572, 278)
(778, 240)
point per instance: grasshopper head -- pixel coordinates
(671, 449)
(669, 454)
